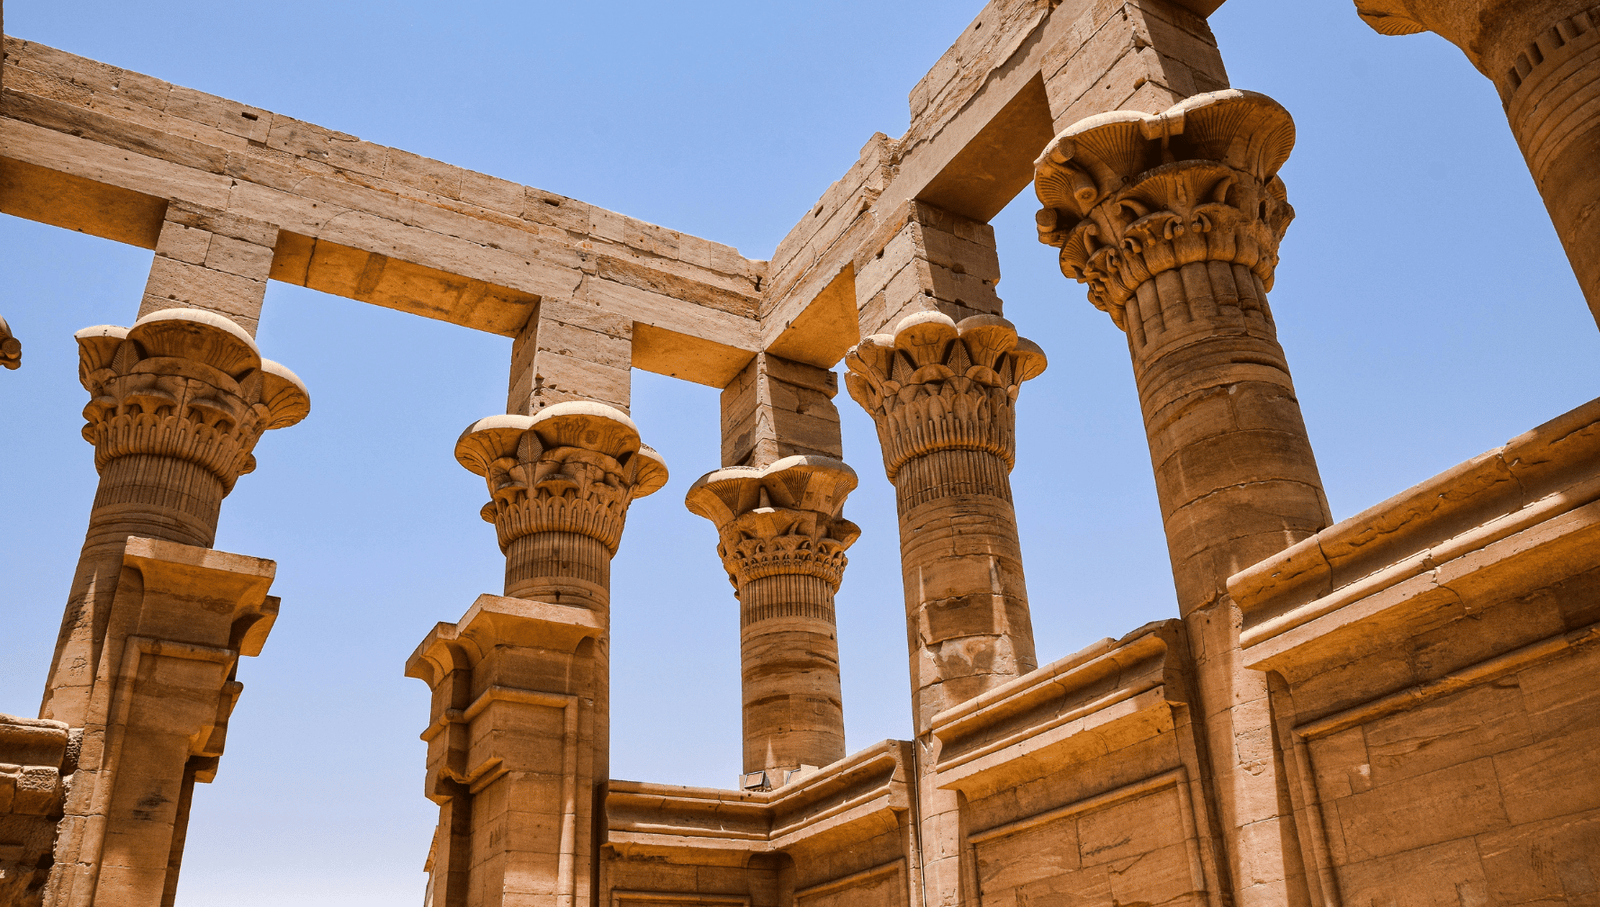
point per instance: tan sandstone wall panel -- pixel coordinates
(1137, 850)
(883, 886)
(1488, 795)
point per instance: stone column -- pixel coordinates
(942, 395)
(560, 484)
(177, 404)
(1543, 57)
(1173, 221)
(10, 347)
(782, 539)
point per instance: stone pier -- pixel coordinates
(518, 744)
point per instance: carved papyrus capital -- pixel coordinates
(183, 383)
(10, 347)
(780, 519)
(575, 467)
(935, 385)
(1128, 196)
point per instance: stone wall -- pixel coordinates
(1397, 709)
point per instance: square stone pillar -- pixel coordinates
(571, 351)
(181, 618)
(512, 752)
(779, 408)
(1143, 55)
(211, 260)
(926, 259)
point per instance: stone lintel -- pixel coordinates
(211, 260)
(359, 220)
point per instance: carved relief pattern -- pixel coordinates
(37, 762)
(783, 519)
(10, 347)
(576, 467)
(185, 384)
(936, 385)
(1128, 196)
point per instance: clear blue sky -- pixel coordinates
(1423, 299)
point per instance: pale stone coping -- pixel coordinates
(500, 620)
(191, 567)
(706, 496)
(765, 815)
(229, 348)
(579, 423)
(1535, 479)
(1057, 679)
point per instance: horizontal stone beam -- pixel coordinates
(1019, 72)
(91, 147)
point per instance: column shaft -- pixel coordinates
(943, 396)
(782, 538)
(1174, 223)
(967, 620)
(789, 660)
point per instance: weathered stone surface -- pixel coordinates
(782, 538)
(1396, 710)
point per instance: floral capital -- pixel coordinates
(575, 467)
(1130, 195)
(780, 519)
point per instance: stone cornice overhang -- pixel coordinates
(1107, 696)
(1517, 519)
(854, 798)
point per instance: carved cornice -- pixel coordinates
(780, 519)
(575, 467)
(937, 385)
(1129, 195)
(10, 347)
(187, 384)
